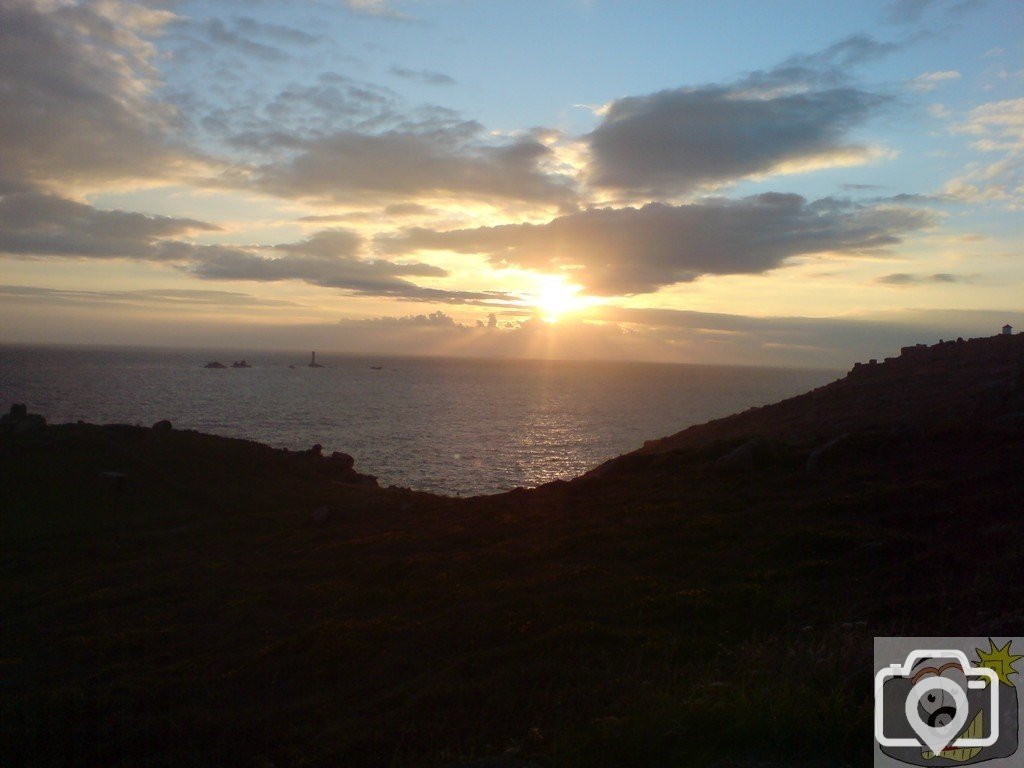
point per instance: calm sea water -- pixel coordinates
(446, 425)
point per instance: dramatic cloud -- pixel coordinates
(637, 250)
(329, 259)
(76, 102)
(448, 160)
(34, 224)
(791, 117)
(673, 141)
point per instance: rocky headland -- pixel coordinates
(175, 598)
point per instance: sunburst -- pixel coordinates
(555, 297)
(999, 660)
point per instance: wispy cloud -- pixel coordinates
(929, 81)
(381, 9)
(425, 76)
(903, 279)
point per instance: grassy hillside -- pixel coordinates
(709, 600)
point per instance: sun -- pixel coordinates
(555, 298)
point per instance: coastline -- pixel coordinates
(227, 603)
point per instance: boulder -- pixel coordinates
(20, 421)
(342, 461)
(162, 426)
(746, 457)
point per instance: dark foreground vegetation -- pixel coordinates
(709, 600)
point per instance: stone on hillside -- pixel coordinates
(342, 461)
(162, 426)
(20, 421)
(746, 457)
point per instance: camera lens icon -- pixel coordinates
(936, 709)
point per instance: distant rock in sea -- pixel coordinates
(215, 364)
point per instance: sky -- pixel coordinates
(738, 182)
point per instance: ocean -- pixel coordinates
(453, 426)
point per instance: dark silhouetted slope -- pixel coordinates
(171, 598)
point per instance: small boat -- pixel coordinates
(375, 367)
(240, 364)
(313, 363)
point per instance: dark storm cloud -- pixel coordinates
(637, 250)
(75, 97)
(425, 76)
(34, 224)
(445, 160)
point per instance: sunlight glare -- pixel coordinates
(555, 298)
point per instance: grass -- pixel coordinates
(668, 614)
